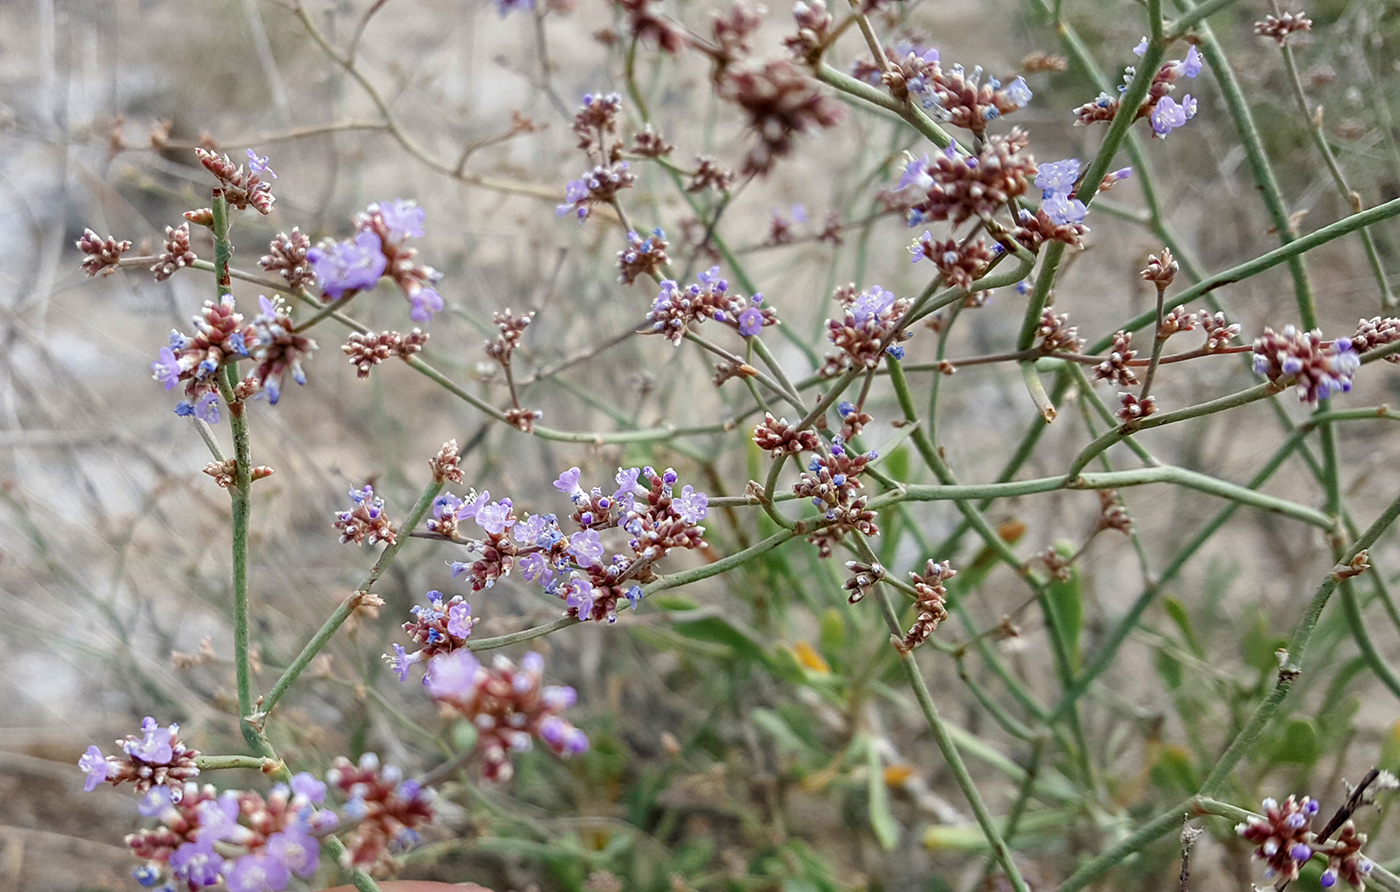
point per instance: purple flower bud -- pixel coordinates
(1300, 852)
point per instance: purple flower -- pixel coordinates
(257, 873)
(580, 596)
(627, 482)
(459, 620)
(1191, 66)
(219, 818)
(1057, 176)
(575, 191)
(347, 266)
(94, 765)
(634, 596)
(916, 174)
(871, 304)
(259, 165)
(453, 675)
(750, 322)
(535, 568)
(567, 483)
(297, 849)
(401, 660)
(197, 864)
(403, 217)
(1141, 49)
(425, 303)
(156, 800)
(494, 517)
(207, 409)
(1064, 211)
(587, 547)
(306, 786)
(1168, 115)
(506, 7)
(529, 531)
(1328, 878)
(154, 746)
(1017, 91)
(692, 506)
(166, 369)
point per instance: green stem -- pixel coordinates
(219, 763)
(342, 612)
(1297, 646)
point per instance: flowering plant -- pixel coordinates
(772, 496)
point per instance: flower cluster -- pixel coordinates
(575, 568)
(1376, 332)
(176, 254)
(956, 187)
(385, 808)
(155, 758)
(929, 601)
(780, 438)
(960, 263)
(598, 186)
(101, 256)
(831, 483)
(1115, 368)
(508, 705)
(780, 102)
(1164, 112)
(367, 350)
(961, 98)
(1279, 27)
(276, 349)
(512, 328)
(642, 256)
(379, 248)
(441, 627)
(1317, 369)
(286, 256)
(1055, 334)
(238, 838)
(220, 337)
(870, 320)
(366, 520)
(676, 308)
(241, 190)
(1286, 841)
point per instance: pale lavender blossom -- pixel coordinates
(1057, 177)
(259, 165)
(459, 620)
(1064, 211)
(1169, 115)
(403, 217)
(494, 517)
(424, 304)
(347, 266)
(692, 506)
(297, 849)
(750, 322)
(166, 369)
(94, 765)
(586, 546)
(257, 873)
(154, 746)
(198, 865)
(580, 596)
(870, 304)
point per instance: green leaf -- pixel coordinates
(1259, 645)
(832, 638)
(1177, 611)
(1168, 669)
(715, 629)
(882, 820)
(787, 738)
(1173, 771)
(1299, 744)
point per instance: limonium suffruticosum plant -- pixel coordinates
(845, 460)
